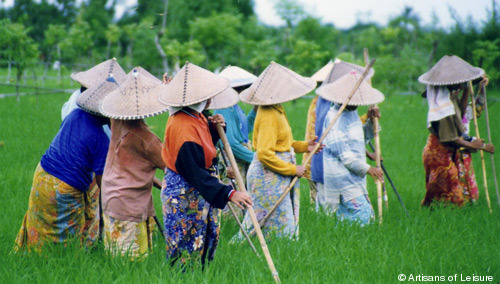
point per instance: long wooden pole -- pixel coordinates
(318, 144)
(485, 180)
(376, 137)
(251, 212)
(231, 208)
(489, 141)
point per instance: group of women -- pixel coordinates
(85, 161)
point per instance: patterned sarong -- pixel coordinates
(449, 175)
(265, 187)
(357, 210)
(58, 212)
(192, 225)
(128, 238)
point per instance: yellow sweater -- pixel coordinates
(272, 134)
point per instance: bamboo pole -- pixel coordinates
(251, 212)
(231, 208)
(489, 141)
(485, 181)
(376, 137)
(318, 144)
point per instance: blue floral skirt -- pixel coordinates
(357, 210)
(265, 187)
(192, 225)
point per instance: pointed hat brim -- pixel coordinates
(450, 70)
(275, 85)
(133, 99)
(99, 73)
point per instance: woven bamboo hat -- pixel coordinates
(277, 84)
(191, 85)
(132, 100)
(340, 68)
(339, 91)
(91, 99)
(225, 99)
(450, 70)
(238, 76)
(322, 73)
(96, 74)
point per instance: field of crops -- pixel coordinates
(442, 242)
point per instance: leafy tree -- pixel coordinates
(77, 46)
(53, 37)
(112, 35)
(17, 45)
(219, 35)
(306, 58)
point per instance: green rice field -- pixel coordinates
(442, 243)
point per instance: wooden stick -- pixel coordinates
(318, 144)
(485, 181)
(251, 212)
(376, 137)
(233, 212)
(489, 141)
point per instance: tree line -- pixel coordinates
(161, 35)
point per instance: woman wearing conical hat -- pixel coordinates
(238, 124)
(192, 195)
(449, 175)
(344, 156)
(273, 166)
(315, 119)
(61, 204)
(134, 156)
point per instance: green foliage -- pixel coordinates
(306, 58)
(17, 45)
(77, 46)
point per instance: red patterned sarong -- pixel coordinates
(449, 175)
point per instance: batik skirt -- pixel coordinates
(133, 239)
(356, 211)
(58, 212)
(265, 187)
(449, 175)
(192, 225)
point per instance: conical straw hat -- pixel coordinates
(132, 100)
(450, 70)
(277, 84)
(100, 72)
(340, 68)
(191, 85)
(91, 99)
(238, 76)
(225, 99)
(339, 91)
(322, 73)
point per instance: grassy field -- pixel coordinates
(442, 242)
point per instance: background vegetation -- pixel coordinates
(161, 35)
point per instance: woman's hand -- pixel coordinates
(166, 79)
(489, 148)
(312, 143)
(376, 173)
(372, 156)
(230, 172)
(300, 170)
(241, 198)
(218, 118)
(373, 111)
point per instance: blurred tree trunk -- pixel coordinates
(158, 37)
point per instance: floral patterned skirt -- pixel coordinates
(58, 212)
(357, 210)
(449, 175)
(265, 187)
(127, 237)
(192, 225)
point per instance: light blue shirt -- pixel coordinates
(344, 156)
(237, 128)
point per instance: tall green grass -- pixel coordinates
(441, 242)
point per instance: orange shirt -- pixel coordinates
(182, 127)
